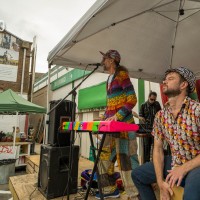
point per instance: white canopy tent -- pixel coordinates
(151, 36)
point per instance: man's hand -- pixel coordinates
(176, 174)
(165, 191)
(135, 114)
(113, 118)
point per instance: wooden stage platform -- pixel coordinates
(24, 187)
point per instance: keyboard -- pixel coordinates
(100, 126)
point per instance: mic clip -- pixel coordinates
(95, 64)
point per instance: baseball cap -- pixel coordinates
(114, 54)
(186, 74)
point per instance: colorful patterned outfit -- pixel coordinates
(182, 133)
(121, 99)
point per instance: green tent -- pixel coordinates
(10, 102)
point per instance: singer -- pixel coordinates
(121, 99)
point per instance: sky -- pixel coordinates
(48, 20)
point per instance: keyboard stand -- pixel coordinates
(95, 168)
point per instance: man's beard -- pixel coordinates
(172, 92)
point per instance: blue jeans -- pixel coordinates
(144, 176)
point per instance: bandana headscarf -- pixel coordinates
(186, 74)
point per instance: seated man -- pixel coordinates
(178, 123)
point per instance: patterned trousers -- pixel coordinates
(123, 148)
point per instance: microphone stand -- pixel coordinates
(74, 89)
(73, 93)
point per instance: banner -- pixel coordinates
(8, 152)
(9, 57)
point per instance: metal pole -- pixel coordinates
(15, 132)
(48, 97)
(23, 68)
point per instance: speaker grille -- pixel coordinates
(44, 173)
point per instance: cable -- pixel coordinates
(70, 167)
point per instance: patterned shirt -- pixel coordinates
(182, 133)
(121, 98)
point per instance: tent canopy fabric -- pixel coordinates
(10, 102)
(151, 36)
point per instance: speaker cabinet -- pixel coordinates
(60, 114)
(54, 171)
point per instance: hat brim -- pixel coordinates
(170, 70)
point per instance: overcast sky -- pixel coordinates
(49, 20)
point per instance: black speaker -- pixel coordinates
(54, 171)
(60, 114)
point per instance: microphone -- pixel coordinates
(95, 64)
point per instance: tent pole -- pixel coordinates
(15, 132)
(44, 130)
(175, 35)
(45, 137)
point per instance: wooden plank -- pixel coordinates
(30, 169)
(38, 136)
(28, 172)
(32, 163)
(12, 190)
(25, 187)
(35, 159)
(36, 169)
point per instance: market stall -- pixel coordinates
(12, 103)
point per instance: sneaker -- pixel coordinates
(114, 194)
